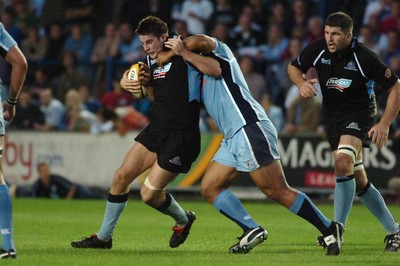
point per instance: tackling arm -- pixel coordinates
(198, 43)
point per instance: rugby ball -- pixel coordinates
(133, 74)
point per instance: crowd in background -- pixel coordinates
(77, 51)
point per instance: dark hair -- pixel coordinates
(341, 20)
(152, 25)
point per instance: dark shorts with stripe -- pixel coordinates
(176, 149)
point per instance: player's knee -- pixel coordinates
(343, 164)
(273, 193)
(120, 180)
(147, 196)
(209, 192)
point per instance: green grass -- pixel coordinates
(44, 229)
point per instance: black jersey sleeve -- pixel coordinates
(305, 60)
(376, 70)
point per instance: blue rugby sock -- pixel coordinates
(115, 205)
(306, 209)
(375, 203)
(6, 219)
(343, 197)
(230, 206)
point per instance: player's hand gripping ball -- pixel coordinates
(134, 75)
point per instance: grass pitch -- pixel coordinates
(44, 229)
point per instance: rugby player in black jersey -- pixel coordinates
(168, 145)
(347, 71)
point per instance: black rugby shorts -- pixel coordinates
(176, 149)
(356, 126)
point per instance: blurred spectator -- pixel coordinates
(8, 16)
(88, 102)
(276, 45)
(271, 54)
(78, 11)
(259, 12)
(294, 49)
(117, 97)
(393, 47)
(221, 32)
(25, 17)
(303, 116)
(297, 15)
(300, 33)
(53, 111)
(278, 14)
(71, 77)
(54, 186)
(55, 43)
(196, 14)
(369, 39)
(375, 11)
(80, 41)
(34, 48)
(129, 51)
(224, 13)
(106, 119)
(77, 119)
(106, 46)
(245, 36)
(28, 115)
(255, 81)
(315, 28)
(180, 27)
(40, 82)
(274, 113)
(52, 12)
(142, 8)
(393, 20)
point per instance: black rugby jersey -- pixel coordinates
(346, 78)
(176, 94)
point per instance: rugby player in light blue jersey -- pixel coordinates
(249, 145)
(12, 54)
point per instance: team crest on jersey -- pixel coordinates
(351, 66)
(339, 84)
(161, 72)
(388, 73)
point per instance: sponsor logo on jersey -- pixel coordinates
(353, 125)
(176, 160)
(351, 66)
(325, 61)
(388, 73)
(161, 72)
(339, 84)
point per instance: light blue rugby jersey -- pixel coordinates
(6, 41)
(228, 99)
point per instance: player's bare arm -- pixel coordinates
(18, 74)
(205, 64)
(305, 86)
(379, 132)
